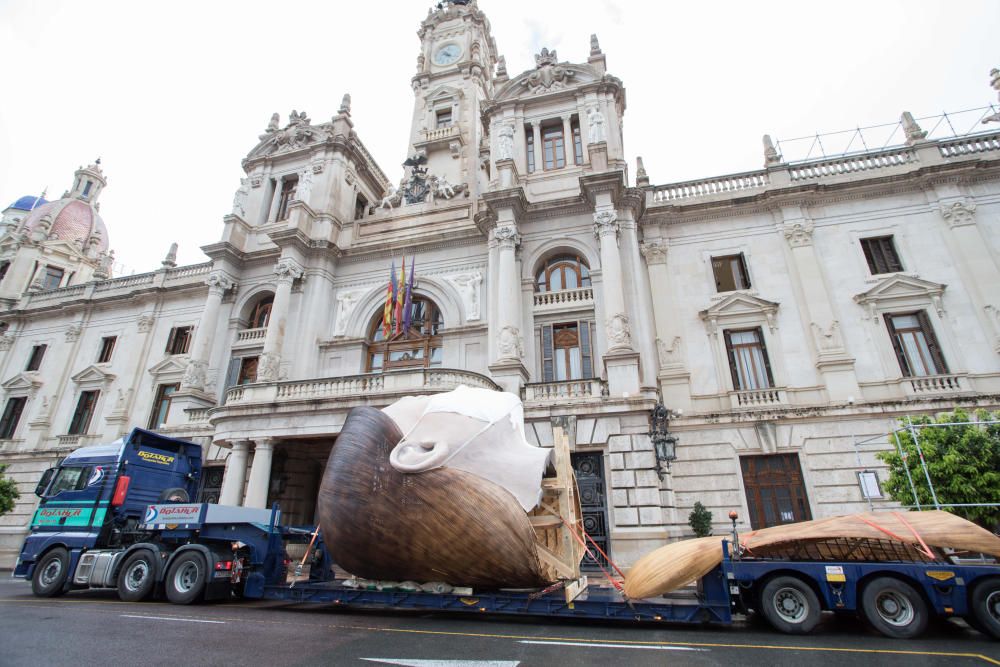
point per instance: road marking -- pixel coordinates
(169, 618)
(603, 645)
(445, 663)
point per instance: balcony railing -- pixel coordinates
(583, 296)
(370, 385)
(751, 180)
(251, 336)
(850, 164)
(756, 398)
(935, 384)
(564, 390)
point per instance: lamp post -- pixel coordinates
(664, 443)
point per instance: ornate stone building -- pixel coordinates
(783, 315)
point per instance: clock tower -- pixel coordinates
(454, 79)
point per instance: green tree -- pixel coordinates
(8, 492)
(700, 519)
(963, 462)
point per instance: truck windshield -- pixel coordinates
(69, 479)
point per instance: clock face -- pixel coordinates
(447, 54)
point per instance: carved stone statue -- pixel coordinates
(468, 286)
(389, 198)
(240, 198)
(509, 342)
(346, 301)
(274, 124)
(501, 67)
(596, 134)
(195, 374)
(505, 142)
(444, 188)
(269, 366)
(304, 187)
(170, 261)
(618, 331)
(771, 155)
(995, 83)
(345, 104)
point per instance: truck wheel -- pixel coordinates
(174, 495)
(894, 608)
(790, 605)
(137, 577)
(186, 578)
(51, 573)
(985, 605)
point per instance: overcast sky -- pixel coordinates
(172, 95)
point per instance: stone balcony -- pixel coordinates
(440, 135)
(768, 397)
(563, 391)
(250, 337)
(569, 299)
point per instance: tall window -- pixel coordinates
(53, 277)
(261, 314)
(360, 206)
(84, 412)
(530, 142)
(288, 186)
(730, 273)
(107, 349)
(161, 405)
(880, 252)
(748, 360)
(443, 118)
(247, 370)
(86, 188)
(566, 351)
(179, 340)
(915, 344)
(577, 143)
(553, 147)
(35, 360)
(562, 272)
(421, 347)
(11, 415)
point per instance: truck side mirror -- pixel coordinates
(43, 483)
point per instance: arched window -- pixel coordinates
(418, 347)
(562, 272)
(261, 314)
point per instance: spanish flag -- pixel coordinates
(397, 325)
(390, 297)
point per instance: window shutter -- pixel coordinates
(732, 361)
(585, 350)
(548, 372)
(932, 343)
(767, 359)
(232, 372)
(744, 279)
(897, 348)
(170, 341)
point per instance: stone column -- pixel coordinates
(260, 473)
(272, 213)
(201, 349)
(287, 270)
(568, 148)
(620, 361)
(509, 345)
(835, 365)
(638, 297)
(236, 474)
(675, 380)
(536, 133)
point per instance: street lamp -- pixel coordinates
(664, 443)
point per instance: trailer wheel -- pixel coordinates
(174, 495)
(51, 573)
(790, 605)
(186, 578)
(985, 605)
(894, 608)
(137, 577)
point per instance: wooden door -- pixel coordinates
(589, 470)
(776, 493)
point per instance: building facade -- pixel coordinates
(786, 316)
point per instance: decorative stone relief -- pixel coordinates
(654, 250)
(911, 129)
(145, 322)
(505, 141)
(507, 236)
(670, 355)
(771, 155)
(304, 187)
(509, 343)
(467, 285)
(606, 224)
(959, 213)
(240, 198)
(195, 374)
(297, 134)
(596, 134)
(345, 105)
(6, 342)
(346, 301)
(170, 260)
(798, 233)
(288, 269)
(548, 75)
(219, 281)
(269, 367)
(828, 339)
(256, 181)
(73, 332)
(995, 83)
(44, 413)
(619, 334)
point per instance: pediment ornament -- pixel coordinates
(740, 308)
(22, 384)
(173, 365)
(299, 133)
(93, 375)
(901, 291)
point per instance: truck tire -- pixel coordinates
(174, 495)
(790, 605)
(186, 578)
(137, 578)
(984, 604)
(894, 608)
(51, 572)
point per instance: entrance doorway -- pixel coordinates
(589, 469)
(776, 493)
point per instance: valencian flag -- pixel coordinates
(390, 298)
(397, 324)
(408, 301)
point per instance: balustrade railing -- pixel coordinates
(758, 397)
(935, 384)
(850, 164)
(250, 336)
(57, 294)
(705, 187)
(970, 145)
(568, 297)
(189, 271)
(563, 390)
(440, 133)
(197, 415)
(122, 283)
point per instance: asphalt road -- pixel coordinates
(95, 628)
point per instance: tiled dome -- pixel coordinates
(28, 202)
(72, 219)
